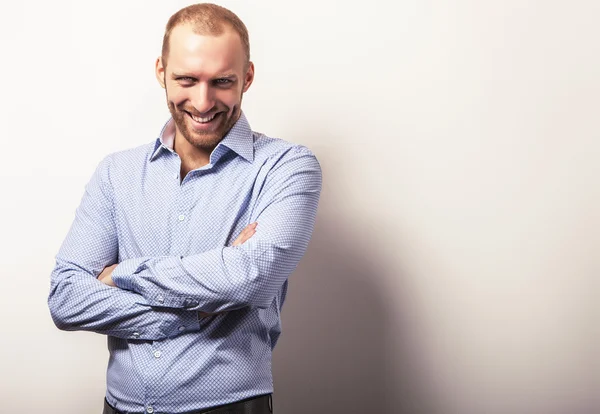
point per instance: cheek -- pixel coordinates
(230, 98)
(177, 95)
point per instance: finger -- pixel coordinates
(248, 232)
(243, 237)
(106, 271)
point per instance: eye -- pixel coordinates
(223, 82)
(185, 80)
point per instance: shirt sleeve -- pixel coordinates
(79, 301)
(229, 278)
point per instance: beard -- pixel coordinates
(204, 140)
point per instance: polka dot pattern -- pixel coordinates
(172, 240)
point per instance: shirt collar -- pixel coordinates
(239, 139)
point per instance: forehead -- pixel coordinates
(189, 51)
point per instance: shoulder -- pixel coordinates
(124, 162)
(129, 159)
(132, 157)
(284, 160)
(275, 150)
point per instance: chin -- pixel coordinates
(205, 142)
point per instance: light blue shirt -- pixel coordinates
(172, 240)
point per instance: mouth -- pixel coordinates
(202, 120)
(206, 123)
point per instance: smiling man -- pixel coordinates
(181, 249)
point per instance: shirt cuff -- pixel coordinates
(180, 322)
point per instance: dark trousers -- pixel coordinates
(262, 404)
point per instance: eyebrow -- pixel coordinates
(231, 76)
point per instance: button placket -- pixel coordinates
(182, 202)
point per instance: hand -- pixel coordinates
(106, 275)
(248, 232)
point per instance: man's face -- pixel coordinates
(205, 79)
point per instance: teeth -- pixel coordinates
(202, 120)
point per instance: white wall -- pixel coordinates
(454, 266)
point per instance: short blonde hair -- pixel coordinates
(206, 18)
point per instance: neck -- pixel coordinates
(191, 156)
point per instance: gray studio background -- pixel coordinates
(454, 264)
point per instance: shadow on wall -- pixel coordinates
(336, 353)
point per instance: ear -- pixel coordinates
(160, 72)
(249, 77)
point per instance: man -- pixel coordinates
(180, 249)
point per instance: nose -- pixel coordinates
(202, 98)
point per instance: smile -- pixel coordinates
(202, 120)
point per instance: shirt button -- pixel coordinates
(149, 409)
(181, 217)
(181, 328)
(157, 354)
(160, 299)
(136, 334)
(176, 176)
(190, 303)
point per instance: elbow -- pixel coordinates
(64, 312)
(263, 280)
(61, 323)
(256, 299)
(59, 313)
(252, 275)
(250, 292)
(73, 294)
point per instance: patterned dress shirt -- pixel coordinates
(172, 240)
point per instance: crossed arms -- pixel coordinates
(106, 275)
(160, 297)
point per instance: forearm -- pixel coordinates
(219, 280)
(228, 278)
(78, 301)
